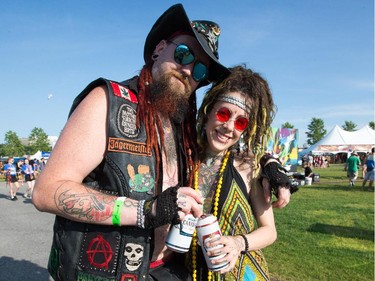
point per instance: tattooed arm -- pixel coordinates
(80, 148)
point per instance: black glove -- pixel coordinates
(276, 174)
(166, 209)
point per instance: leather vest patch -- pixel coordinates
(122, 92)
(126, 121)
(129, 147)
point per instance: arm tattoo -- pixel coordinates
(91, 206)
(130, 204)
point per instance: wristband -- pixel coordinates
(246, 244)
(116, 214)
(140, 215)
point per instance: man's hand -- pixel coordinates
(275, 180)
(171, 206)
(283, 195)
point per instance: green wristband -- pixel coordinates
(116, 215)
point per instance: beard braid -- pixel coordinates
(170, 101)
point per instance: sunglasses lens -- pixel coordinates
(241, 123)
(223, 114)
(183, 55)
(199, 72)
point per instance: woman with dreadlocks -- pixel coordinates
(237, 112)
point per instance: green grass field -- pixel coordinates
(326, 232)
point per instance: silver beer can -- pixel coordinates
(180, 235)
(208, 229)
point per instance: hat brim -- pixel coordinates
(175, 19)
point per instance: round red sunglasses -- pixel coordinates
(223, 114)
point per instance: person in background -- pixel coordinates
(235, 113)
(363, 159)
(28, 172)
(352, 165)
(308, 171)
(136, 145)
(370, 171)
(42, 164)
(20, 175)
(10, 172)
(36, 167)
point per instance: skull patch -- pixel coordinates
(133, 253)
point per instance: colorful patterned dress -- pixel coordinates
(236, 217)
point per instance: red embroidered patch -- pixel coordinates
(128, 277)
(99, 252)
(122, 92)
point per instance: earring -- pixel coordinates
(240, 145)
(154, 57)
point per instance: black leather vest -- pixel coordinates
(92, 252)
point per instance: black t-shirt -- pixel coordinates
(308, 171)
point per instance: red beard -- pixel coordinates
(168, 98)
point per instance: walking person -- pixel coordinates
(20, 176)
(10, 172)
(28, 172)
(352, 166)
(370, 171)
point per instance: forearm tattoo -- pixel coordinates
(91, 206)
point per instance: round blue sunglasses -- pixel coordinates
(184, 56)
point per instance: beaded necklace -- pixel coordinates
(216, 208)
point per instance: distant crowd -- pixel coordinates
(16, 173)
(316, 161)
(353, 164)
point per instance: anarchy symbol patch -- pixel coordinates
(99, 252)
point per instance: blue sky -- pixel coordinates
(317, 55)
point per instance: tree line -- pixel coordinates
(12, 146)
(316, 130)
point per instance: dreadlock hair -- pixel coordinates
(259, 98)
(147, 114)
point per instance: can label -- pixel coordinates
(180, 235)
(208, 229)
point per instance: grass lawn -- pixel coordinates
(326, 232)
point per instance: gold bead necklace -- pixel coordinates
(216, 209)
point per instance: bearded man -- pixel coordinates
(119, 174)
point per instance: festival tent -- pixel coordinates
(40, 154)
(339, 141)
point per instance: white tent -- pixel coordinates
(40, 154)
(37, 155)
(339, 140)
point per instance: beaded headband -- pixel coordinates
(236, 101)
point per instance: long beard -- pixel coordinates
(169, 99)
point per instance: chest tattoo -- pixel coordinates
(208, 178)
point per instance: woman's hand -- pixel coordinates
(190, 202)
(232, 247)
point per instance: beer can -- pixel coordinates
(180, 235)
(208, 229)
